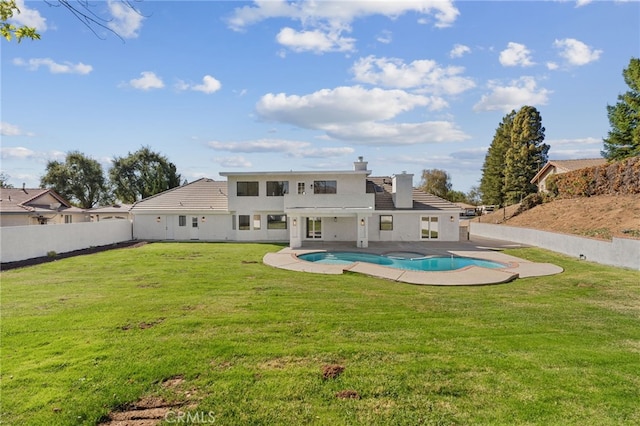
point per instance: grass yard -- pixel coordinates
(243, 343)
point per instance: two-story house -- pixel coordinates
(298, 206)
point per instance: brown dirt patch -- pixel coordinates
(332, 371)
(347, 394)
(599, 217)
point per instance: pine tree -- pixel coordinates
(623, 140)
(492, 181)
(525, 155)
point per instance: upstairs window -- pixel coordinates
(301, 188)
(247, 189)
(277, 188)
(325, 187)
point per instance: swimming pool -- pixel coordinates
(438, 263)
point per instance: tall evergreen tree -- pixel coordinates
(142, 174)
(79, 179)
(623, 140)
(525, 155)
(492, 181)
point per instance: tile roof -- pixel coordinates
(569, 165)
(564, 166)
(202, 194)
(22, 200)
(382, 187)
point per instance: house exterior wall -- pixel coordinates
(406, 226)
(166, 226)
(31, 218)
(14, 219)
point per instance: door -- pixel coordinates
(195, 230)
(314, 227)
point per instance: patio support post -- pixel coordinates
(362, 223)
(295, 232)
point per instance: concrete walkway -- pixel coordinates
(472, 275)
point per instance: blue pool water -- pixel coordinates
(410, 264)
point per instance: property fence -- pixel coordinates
(621, 252)
(27, 242)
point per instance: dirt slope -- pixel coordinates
(598, 217)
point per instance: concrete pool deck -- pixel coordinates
(478, 248)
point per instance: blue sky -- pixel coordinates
(279, 85)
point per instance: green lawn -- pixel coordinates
(85, 335)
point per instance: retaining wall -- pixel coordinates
(27, 242)
(621, 252)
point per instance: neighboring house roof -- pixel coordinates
(113, 209)
(202, 194)
(32, 200)
(564, 166)
(382, 187)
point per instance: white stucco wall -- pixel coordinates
(27, 242)
(214, 227)
(406, 226)
(620, 252)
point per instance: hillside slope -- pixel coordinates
(597, 217)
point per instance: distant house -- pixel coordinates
(298, 206)
(115, 211)
(555, 167)
(36, 206)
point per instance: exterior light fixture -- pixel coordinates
(335, 219)
(204, 219)
(158, 219)
(451, 219)
(295, 221)
(361, 222)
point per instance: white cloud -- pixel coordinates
(580, 3)
(358, 115)
(376, 133)
(22, 153)
(575, 52)
(29, 17)
(148, 81)
(552, 66)
(324, 22)
(338, 14)
(425, 75)
(54, 67)
(17, 152)
(235, 162)
(339, 105)
(523, 91)
(316, 41)
(385, 37)
(516, 54)
(260, 145)
(126, 20)
(297, 149)
(576, 141)
(209, 85)
(459, 50)
(7, 129)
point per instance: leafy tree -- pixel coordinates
(492, 181)
(474, 196)
(4, 180)
(79, 179)
(623, 140)
(526, 154)
(8, 8)
(456, 197)
(436, 182)
(142, 174)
